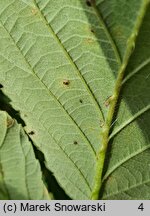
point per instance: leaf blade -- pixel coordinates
(20, 174)
(133, 122)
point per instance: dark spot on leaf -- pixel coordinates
(34, 11)
(92, 31)
(110, 179)
(107, 101)
(31, 133)
(101, 123)
(89, 40)
(81, 101)
(75, 143)
(66, 82)
(10, 122)
(90, 2)
(1, 86)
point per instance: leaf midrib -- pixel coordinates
(113, 102)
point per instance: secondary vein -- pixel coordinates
(136, 70)
(97, 105)
(108, 34)
(129, 121)
(124, 161)
(93, 151)
(113, 102)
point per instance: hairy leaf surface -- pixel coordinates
(128, 173)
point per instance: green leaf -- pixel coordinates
(20, 174)
(120, 17)
(128, 173)
(62, 65)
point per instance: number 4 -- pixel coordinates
(141, 207)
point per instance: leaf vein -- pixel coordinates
(97, 105)
(108, 34)
(127, 189)
(136, 70)
(124, 161)
(85, 138)
(129, 121)
(54, 97)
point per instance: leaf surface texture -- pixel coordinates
(20, 173)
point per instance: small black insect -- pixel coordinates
(31, 133)
(75, 143)
(81, 101)
(66, 82)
